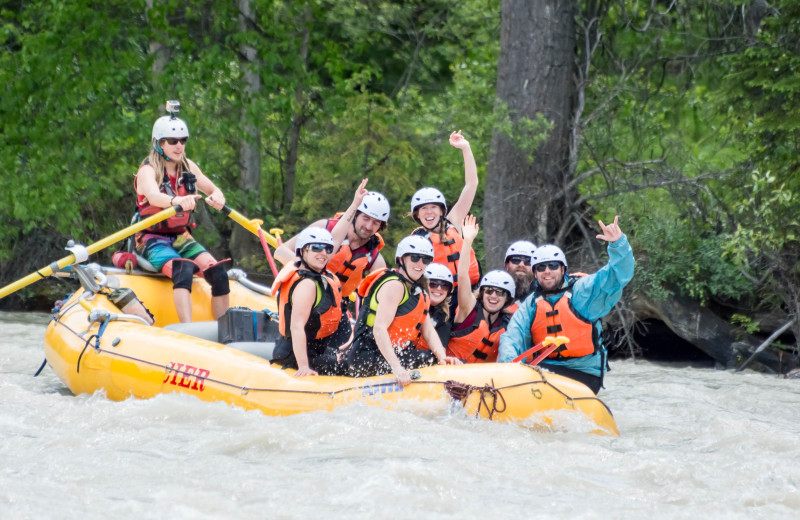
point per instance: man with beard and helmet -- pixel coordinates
(518, 264)
(393, 315)
(564, 305)
(359, 253)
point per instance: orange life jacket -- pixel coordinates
(348, 265)
(177, 223)
(449, 251)
(478, 343)
(326, 312)
(406, 327)
(561, 319)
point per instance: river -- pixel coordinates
(694, 443)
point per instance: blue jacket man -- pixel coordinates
(571, 306)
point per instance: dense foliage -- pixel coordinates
(688, 128)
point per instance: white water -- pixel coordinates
(695, 443)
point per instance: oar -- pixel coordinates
(90, 249)
(549, 344)
(254, 226)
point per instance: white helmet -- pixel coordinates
(428, 196)
(499, 279)
(549, 253)
(169, 126)
(414, 244)
(520, 248)
(312, 235)
(439, 272)
(376, 206)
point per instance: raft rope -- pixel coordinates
(489, 398)
(461, 392)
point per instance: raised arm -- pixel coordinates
(466, 299)
(285, 252)
(339, 231)
(595, 295)
(462, 207)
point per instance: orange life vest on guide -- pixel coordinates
(561, 319)
(348, 265)
(326, 312)
(175, 224)
(406, 327)
(449, 251)
(478, 343)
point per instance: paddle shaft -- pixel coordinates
(92, 248)
(252, 226)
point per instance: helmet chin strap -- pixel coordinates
(160, 151)
(406, 277)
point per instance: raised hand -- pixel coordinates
(470, 228)
(360, 192)
(611, 232)
(457, 140)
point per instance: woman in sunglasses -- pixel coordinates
(443, 228)
(393, 315)
(311, 321)
(479, 321)
(571, 306)
(440, 282)
(168, 178)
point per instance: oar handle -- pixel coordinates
(91, 249)
(549, 343)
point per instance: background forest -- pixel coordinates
(678, 116)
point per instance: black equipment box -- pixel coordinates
(243, 324)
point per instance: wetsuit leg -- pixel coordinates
(182, 273)
(217, 278)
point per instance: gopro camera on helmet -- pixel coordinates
(173, 107)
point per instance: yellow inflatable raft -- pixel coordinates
(91, 344)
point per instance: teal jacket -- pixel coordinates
(593, 297)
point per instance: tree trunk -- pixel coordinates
(298, 118)
(709, 333)
(158, 50)
(534, 76)
(242, 242)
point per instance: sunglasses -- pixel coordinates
(516, 260)
(318, 248)
(553, 266)
(439, 283)
(494, 290)
(172, 141)
(414, 257)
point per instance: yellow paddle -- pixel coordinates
(252, 226)
(90, 249)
